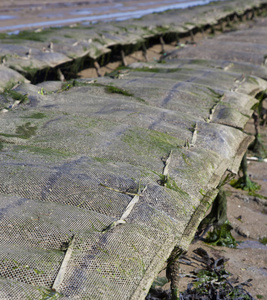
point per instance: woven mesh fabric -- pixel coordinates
(99, 183)
(101, 179)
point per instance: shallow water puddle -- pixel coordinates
(116, 12)
(252, 244)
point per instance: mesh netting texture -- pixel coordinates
(101, 178)
(98, 185)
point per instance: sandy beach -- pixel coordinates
(19, 15)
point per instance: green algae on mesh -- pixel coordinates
(156, 70)
(66, 86)
(72, 83)
(31, 71)
(221, 236)
(101, 159)
(30, 35)
(190, 23)
(170, 183)
(100, 41)
(24, 131)
(145, 141)
(23, 98)
(48, 294)
(263, 240)
(37, 115)
(186, 159)
(115, 90)
(9, 86)
(117, 72)
(252, 80)
(43, 151)
(214, 93)
(68, 36)
(18, 265)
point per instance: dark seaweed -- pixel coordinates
(211, 281)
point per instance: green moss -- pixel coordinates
(24, 131)
(101, 159)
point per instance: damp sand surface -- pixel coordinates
(18, 15)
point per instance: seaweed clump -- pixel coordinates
(244, 182)
(217, 218)
(213, 281)
(210, 281)
(222, 236)
(259, 117)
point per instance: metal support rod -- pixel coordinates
(97, 68)
(172, 272)
(63, 267)
(162, 43)
(192, 36)
(144, 50)
(123, 59)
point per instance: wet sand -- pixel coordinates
(25, 14)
